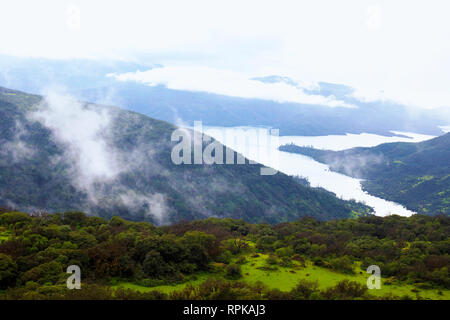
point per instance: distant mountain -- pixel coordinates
(58, 154)
(416, 175)
(87, 80)
(35, 75)
(290, 118)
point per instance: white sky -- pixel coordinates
(399, 47)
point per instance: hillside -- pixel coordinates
(58, 154)
(416, 175)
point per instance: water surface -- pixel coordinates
(262, 147)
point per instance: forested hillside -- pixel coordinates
(58, 155)
(416, 175)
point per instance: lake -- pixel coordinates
(259, 145)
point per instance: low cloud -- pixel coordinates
(414, 99)
(17, 148)
(96, 164)
(83, 131)
(354, 165)
(228, 83)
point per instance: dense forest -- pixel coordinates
(222, 258)
(416, 175)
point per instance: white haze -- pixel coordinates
(16, 148)
(399, 47)
(84, 132)
(228, 83)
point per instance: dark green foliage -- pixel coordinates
(305, 290)
(233, 271)
(343, 264)
(154, 264)
(33, 260)
(346, 290)
(8, 271)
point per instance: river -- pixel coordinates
(262, 147)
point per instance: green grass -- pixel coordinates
(201, 277)
(285, 279)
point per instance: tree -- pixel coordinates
(304, 290)
(154, 265)
(8, 271)
(74, 218)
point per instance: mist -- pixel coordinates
(85, 133)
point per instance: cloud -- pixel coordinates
(228, 83)
(96, 163)
(388, 45)
(417, 98)
(154, 204)
(354, 165)
(83, 131)
(17, 148)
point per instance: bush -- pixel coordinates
(286, 262)
(342, 264)
(305, 290)
(233, 271)
(241, 260)
(224, 257)
(346, 290)
(284, 252)
(271, 259)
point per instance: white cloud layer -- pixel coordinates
(397, 46)
(226, 83)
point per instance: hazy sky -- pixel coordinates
(399, 47)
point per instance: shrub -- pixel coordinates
(304, 290)
(271, 259)
(345, 290)
(233, 271)
(343, 264)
